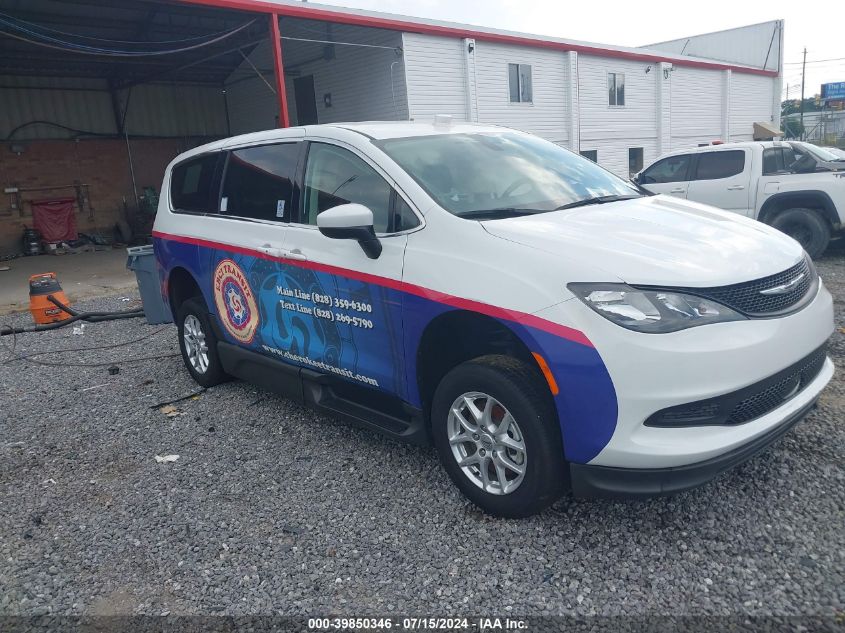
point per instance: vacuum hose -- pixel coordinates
(88, 317)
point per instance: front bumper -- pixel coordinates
(624, 483)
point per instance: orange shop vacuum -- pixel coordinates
(42, 309)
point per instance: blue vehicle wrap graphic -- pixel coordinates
(369, 333)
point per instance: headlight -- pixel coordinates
(652, 311)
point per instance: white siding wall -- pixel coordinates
(613, 129)
(696, 110)
(547, 116)
(435, 73)
(751, 100)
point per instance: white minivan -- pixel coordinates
(545, 324)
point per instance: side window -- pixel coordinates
(192, 184)
(716, 165)
(335, 176)
(672, 169)
(259, 182)
(403, 217)
(773, 161)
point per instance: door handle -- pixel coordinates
(677, 191)
(736, 188)
(295, 254)
(272, 251)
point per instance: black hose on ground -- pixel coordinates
(88, 317)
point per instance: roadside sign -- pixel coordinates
(833, 91)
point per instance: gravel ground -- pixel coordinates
(273, 509)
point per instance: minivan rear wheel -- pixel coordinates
(806, 227)
(198, 343)
(498, 437)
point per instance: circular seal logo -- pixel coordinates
(235, 301)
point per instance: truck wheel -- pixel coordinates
(498, 436)
(805, 226)
(198, 343)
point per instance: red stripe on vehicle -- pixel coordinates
(523, 318)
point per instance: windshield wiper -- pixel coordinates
(596, 200)
(503, 212)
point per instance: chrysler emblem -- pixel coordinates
(783, 288)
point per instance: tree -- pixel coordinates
(794, 105)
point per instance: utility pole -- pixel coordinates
(803, 68)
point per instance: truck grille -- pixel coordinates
(749, 297)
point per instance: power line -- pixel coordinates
(817, 61)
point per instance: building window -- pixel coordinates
(592, 154)
(519, 81)
(616, 89)
(635, 160)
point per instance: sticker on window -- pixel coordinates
(224, 204)
(280, 208)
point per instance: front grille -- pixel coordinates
(770, 397)
(747, 299)
(748, 403)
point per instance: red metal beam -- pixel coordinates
(340, 17)
(284, 117)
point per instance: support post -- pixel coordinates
(572, 101)
(727, 90)
(663, 98)
(276, 37)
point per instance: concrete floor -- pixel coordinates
(82, 276)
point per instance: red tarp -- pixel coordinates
(55, 219)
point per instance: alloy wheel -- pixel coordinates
(487, 443)
(196, 346)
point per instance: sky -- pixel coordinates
(627, 23)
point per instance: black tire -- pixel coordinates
(805, 226)
(213, 373)
(523, 392)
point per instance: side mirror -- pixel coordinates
(637, 179)
(351, 222)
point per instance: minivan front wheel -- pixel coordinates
(805, 226)
(498, 436)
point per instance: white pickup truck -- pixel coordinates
(796, 187)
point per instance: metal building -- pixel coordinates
(134, 83)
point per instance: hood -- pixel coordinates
(657, 240)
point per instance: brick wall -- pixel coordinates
(101, 163)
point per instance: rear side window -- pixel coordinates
(192, 184)
(259, 182)
(716, 165)
(672, 169)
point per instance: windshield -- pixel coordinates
(507, 172)
(821, 153)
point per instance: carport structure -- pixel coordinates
(97, 97)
